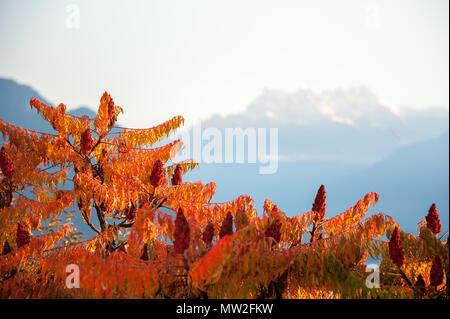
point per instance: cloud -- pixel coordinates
(330, 113)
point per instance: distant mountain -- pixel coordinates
(408, 182)
(349, 125)
(15, 106)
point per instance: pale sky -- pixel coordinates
(195, 58)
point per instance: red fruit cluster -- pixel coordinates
(274, 231)
(22, 235)
(320, 203)
(182, 233)
(110, 109)
(86, 142)
(433, 221)
(227, 226)
(395, 248)
(208, 234)
(144, 255)
(6, 164)
(436, 272)
(157, 175)
(177, 177)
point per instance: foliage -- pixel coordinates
(160, 237)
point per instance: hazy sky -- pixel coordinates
(196, 58)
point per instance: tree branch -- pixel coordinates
(84, 215)
(98, 142)
(101, 217)
(405, 277)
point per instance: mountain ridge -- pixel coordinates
(342, 124)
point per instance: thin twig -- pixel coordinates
(84, 215)
(405, 277)
(443, 235)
